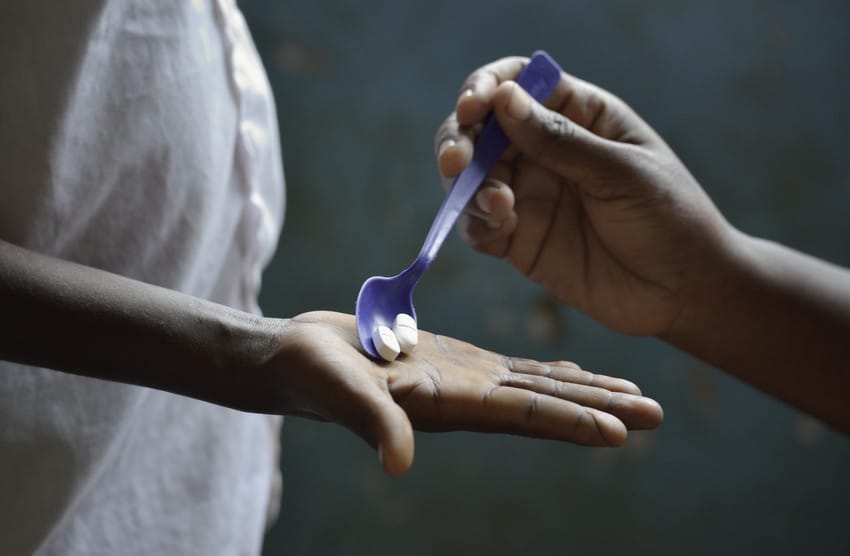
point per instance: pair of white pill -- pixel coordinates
(402, 338)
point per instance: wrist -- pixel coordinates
(244, 345)
(726, 272)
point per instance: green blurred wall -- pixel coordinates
(754, 97)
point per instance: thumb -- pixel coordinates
(395, 439)
(384, 424)
(550, 138)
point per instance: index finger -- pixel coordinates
(477, 91)
(584, 103)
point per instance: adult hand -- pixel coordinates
(320, 372)
(589, 200)
(593, 204)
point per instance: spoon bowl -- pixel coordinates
(381, 298)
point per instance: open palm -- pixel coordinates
(447, 385)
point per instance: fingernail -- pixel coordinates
(483, 201)
(467, 92)
(447, 144)
(493, 225)
(519, 105)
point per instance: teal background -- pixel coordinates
(753, 96)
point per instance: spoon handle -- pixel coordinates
(539, 79)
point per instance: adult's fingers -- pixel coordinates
(478, 89)
(582, 102)
(553, 140)
(454, 140)
(453, 145)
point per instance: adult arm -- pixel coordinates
(592, 203)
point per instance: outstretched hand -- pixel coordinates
(320, 372)
(311, 365)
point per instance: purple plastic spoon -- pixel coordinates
(381, 298)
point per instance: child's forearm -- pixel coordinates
(77, 319)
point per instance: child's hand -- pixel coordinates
(589, 201)
(446, 384)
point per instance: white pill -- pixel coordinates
(404, 328)
(386, 343)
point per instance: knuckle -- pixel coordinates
(533, 407)
(557, 126)
(558, 132)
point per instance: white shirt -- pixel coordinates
(136, 136)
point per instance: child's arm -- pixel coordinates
(77, 319)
